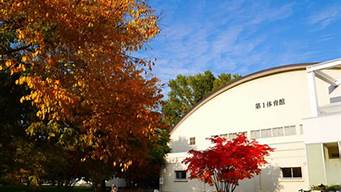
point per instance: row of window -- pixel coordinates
(287, 172)
(231, 135)
(274, 132)
(261, 133)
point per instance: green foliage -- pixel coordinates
(326, 187)
(160, 148)
(14, 118)
(27, 155)
(186, 91)
(224, 79)
(7, 37)
(55, 132)
(147, 171)
(28, 164)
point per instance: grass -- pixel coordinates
(22, 188)
(43, 189)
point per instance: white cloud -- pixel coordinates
(326, 16)
(221, 40)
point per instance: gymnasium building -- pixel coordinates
(295, 109)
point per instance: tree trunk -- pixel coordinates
(96, 186)
(103, 187)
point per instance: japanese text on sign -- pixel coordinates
(269, 104)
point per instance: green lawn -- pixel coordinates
(43, 189)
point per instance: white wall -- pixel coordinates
(323, 129)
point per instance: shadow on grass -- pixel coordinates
(44, 189)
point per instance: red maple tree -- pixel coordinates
(227, 162)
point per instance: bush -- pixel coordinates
(326, 188)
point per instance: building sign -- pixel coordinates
(268, 104)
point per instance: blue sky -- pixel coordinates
(242, 36)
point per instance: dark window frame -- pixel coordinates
(291, 172)
(180, 175)
(192, 141)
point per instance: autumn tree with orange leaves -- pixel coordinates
(75, 56)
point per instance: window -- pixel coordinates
(192, 140)
(274, 132)
(243, 133)
(332, 150)
(255, 134)
(296, 172)
(180, 175)
(291, 172)
(232, 135)
(265, 133)
(277, 131)
(290, 130)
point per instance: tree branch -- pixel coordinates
(234, 187)
(16, 49)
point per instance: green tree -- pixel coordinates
(186, 91)
(145, 174)
(14, 118)
(29, 158)
(224, 79)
